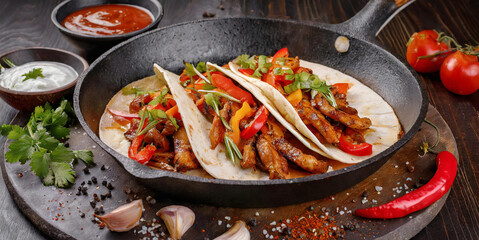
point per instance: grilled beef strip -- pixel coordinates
(249, 153)
(137, 103)
(184, 159)
(305, 161)
(352, 121)
(161, 142)
(130, 134)
(276, 164)
(163, 161)
(168, 128)
(310, 115)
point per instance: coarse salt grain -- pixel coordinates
(257, 214)
(378, 188)
(273, 223)
(408, 179)
(228, 225)
(265, 232)
(220, 222)
(272, 212)
(341, 212)
(228, 218)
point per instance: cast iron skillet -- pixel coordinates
(220, 40)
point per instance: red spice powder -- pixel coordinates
(311, 226)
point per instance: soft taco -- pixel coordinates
(231, 117)
(347, 120)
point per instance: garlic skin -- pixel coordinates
(124, 217)
(178, 219)
(239, 231)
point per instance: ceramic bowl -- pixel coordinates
(65, 8)
(26, 101)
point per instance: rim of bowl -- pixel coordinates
(51, 91)
(156, 20)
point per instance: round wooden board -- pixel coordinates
(57, 212)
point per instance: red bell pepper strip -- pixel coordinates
(145, 154)
(128, 116)
(226, 84)
(258, 122)
(246, 71)
(282, 53)
(420, 198)
(342, 87)
(362, 149)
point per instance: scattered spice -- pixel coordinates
(308, 226)
(86, 170)
(102, 167)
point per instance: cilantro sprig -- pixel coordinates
(33, 74)
(40, 141)
(311, 82)
(214, 102)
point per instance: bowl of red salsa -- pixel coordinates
(105, 22)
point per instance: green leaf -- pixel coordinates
(46, 141)
(8, 62)
(161, 98)
(49, 179)
(225, 95)
(201, 67)
(20, 150)
(263, 66)
(133, 90)
(173, 120)
(62, 154)
(212, 101)
(16, 132)
(40, 163)
(63, 173)
(189, 70)
(33, 74)
(85, 155)
(5, 129)
(245, 61)
(157, 113)
(60, 132)
(207, 86)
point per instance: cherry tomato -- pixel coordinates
(425, 43)
(460, 73)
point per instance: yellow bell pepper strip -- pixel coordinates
(295, 97)
(244, 111)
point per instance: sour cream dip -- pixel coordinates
(55, 75)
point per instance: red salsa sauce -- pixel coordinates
(110, 19)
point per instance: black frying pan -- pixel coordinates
(220, 40)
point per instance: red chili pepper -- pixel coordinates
(246, 71)
(128, 116)
(283, 52)
(362, 149)
(418, 199)
(258, 122)
(226, 84)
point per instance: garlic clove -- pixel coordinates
(124, 217)
(178, 219)
(239, 231)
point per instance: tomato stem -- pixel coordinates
(438, 53)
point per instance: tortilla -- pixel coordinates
(213, 161)
(385, 128)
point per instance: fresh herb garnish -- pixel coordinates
(133, 90)
(8, 62)
(232, 151)
(225, 95)
(263, 66)
(312, 82)
(212, 101)
(153, 117)
(245, 61)
(33, 74)
(41, 142)
(161, 98)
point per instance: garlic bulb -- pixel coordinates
(178, 219)
(239, 231)
(124, 217)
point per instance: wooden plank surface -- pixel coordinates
(27, 23)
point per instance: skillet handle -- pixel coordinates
(368, 22)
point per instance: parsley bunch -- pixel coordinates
(41, 142)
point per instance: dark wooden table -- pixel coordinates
(27, 23)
